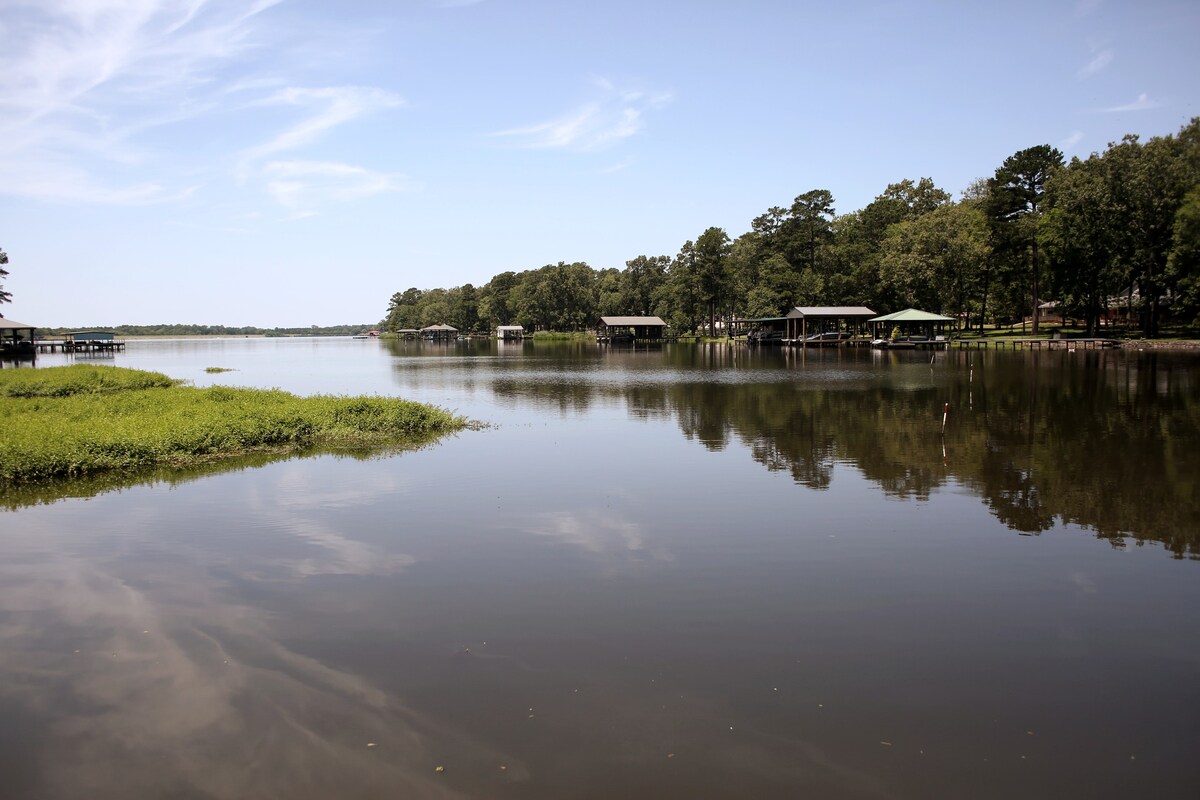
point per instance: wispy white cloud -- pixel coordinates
(83, 77)
(1143, 103)
(301, 185)
(87, 81)
(329, 107)
(1072, 140)
(617, 167)
(613, 116)
(1098, 62)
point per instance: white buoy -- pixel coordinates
(945, 413)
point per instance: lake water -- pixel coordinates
(679, 572)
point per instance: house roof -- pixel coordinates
(13, 325)
(830, 311)
(651, 321)
(912, 315)
(510, 327)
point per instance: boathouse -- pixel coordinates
(914, 326)
(16, 339)
(439, 333)
(510, 332)
(630, 329)
(90, 336)
(822, 324)
(759, 330)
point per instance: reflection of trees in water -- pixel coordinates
(1102, 441)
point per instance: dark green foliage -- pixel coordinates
(5, 297)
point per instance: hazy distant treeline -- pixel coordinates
(216, 330)
(1117, 233)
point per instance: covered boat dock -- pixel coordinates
(826, 326)
(17, 339)
(913, 329)
(615, 330)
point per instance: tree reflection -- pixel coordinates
(1099, 439)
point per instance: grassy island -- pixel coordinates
(84, 420)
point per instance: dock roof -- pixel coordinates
(842, 312)
(621, 321)
(13, 325)
(912, 315)
(439, 327)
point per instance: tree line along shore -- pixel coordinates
(1110, 239)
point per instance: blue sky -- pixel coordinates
(292, 162)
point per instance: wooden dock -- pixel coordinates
(1035, 344)
(83, 346)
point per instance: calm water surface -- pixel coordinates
(682, 572)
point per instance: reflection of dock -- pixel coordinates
(814, 341)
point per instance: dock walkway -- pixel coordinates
(1035, 344)
(84, 346)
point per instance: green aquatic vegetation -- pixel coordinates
(78, 379)
(213, 370)
(115, 420)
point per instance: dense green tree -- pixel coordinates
(808, 229)
(1149, 186)
(641, 281)
(933, 261)
(435, 308)
(5, 297)
(1016, 206)
(1183, 263)
(560, 297)
(712, 277)
(680, 294)
(858, 241)
(1082, 237)
(404, 310)
(495, 304)
(610, 295)
(464, 308)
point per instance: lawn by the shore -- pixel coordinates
(85, 419)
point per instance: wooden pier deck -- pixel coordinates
(961, 344)
(83, 346)
(1035, 344)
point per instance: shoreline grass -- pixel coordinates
(83, 420)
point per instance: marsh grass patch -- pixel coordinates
(81, 420)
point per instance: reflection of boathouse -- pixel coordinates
(439, 333)
(613, 330)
